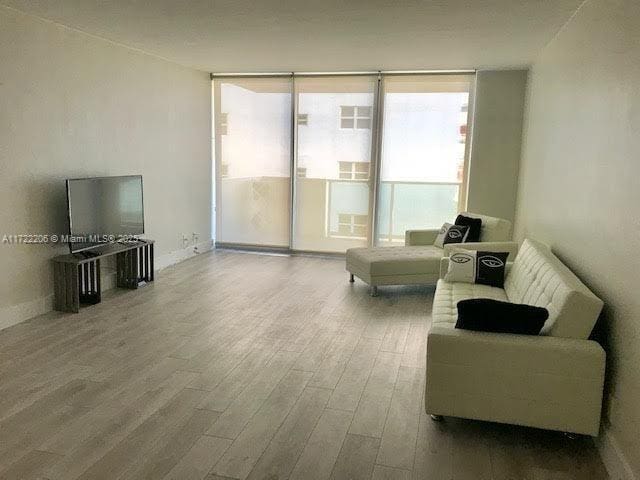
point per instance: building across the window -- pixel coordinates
(301, 172)
(223, 125)
(352, 225)
(353, 117)
(303, 119)
(353, 170)
(224, 170)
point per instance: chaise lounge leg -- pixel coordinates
(436, 418)
(351, 279)
(373, 291)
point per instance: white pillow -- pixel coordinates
(467, 266)
(462, 266)
(451, 234)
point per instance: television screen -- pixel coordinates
(104, 209)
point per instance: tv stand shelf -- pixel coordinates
(77, 275)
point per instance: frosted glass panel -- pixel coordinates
(334, 121)
(422, 167)
(253, 160)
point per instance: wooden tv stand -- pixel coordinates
(77, 275)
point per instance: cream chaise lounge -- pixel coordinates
(418, 262)
(553, 380)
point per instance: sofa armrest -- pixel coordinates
(420, 237)
(511, 247)
(540, 381)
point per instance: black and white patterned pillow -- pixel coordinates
(486, 268)
(451, 234)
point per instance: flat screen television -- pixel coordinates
(103, 210)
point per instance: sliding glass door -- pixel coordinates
(333, 188)
(253, 160)
(422, 162)
(329, 162)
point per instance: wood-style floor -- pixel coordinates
(237, 365)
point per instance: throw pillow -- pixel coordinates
(487, 315)
(487, 268)
(474, 224)
(451, 234)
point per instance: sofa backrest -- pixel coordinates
(494, 229)
(539, 278)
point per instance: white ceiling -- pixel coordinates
(319, 35)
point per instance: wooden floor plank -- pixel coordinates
(240, 458)
(200, 459)
(282, 453)
(397, 448)
(371, 413)
(322, 449)
(239, 412)
(356, 459)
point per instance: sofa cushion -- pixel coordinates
(447, 296)
(493, 229)
(396, 260)
(539, 278)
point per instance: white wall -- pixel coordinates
(72, 105)
(580, 187)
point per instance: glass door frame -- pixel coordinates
(377, 127)
(464, 185)
(374, 157)
(217, 160)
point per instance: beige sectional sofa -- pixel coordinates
(551, 381)
(418, 262)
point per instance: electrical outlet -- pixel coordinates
(195, 238)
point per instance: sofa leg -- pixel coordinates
(570, 436)
(373, 291)
(436, 418)
(351, 279)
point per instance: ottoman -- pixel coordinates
(394, 265)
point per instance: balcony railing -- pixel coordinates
(255, 209)
(405, 206)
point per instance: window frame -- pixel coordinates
(373, 115)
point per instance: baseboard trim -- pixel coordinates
(614, 460)
(14, 314)
(177, 256)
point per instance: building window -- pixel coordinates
(301, 172)
(224, 170)
(352, 117)
(463, 133)
(353, 170)
(464, 108)
(351, 225)
(303, 119)
(222, 126)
